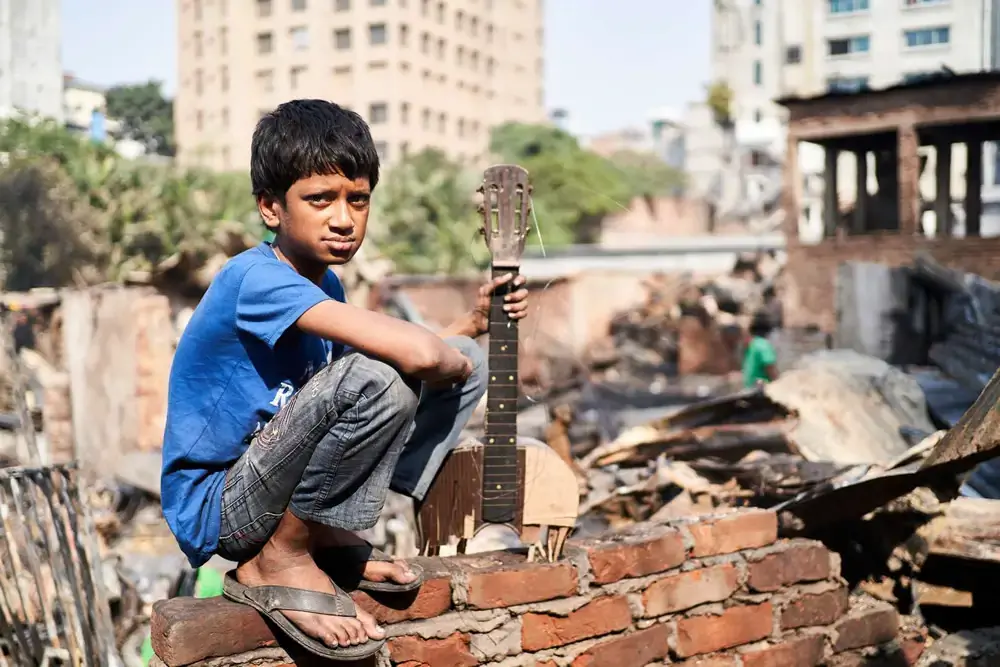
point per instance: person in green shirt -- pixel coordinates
(759, 357)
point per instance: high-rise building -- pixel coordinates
(423, 73)
(31, 72)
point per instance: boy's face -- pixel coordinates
(323, 219)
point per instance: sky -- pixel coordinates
(609, 63)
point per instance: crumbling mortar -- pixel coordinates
(687, 538)
(499, 643)
(578, 558)
(560, 607)
(788, 594)
(263, 657)
(635, 605)
(440, 627)
(710, 609)
(459, 589)
(561, 655)
(625, 586)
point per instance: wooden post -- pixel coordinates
(831, 205)
(792, 189)
(861, 192)
(942, 197)
(973, 187)
(908, 170)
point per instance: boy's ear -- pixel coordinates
(270, 210)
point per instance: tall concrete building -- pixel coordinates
(31, 73)
(436, 73)
(768, 49)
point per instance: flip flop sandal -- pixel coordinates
(368, 553)
(272, 600)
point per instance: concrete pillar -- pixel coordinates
(831, 205)
(860, 223)
(973, 187)
(908, 170)
(792, 191)
(942, 197)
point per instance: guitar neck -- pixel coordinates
(500, 453)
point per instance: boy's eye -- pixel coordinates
(359, 200)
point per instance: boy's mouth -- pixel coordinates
(338, 245)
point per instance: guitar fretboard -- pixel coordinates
(500, 448)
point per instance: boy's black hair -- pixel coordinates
(761, 325)
(305, 137)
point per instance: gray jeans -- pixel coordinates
(331, 454)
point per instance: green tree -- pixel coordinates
(574, 189)
(720, 101)
(146, 115)
(646, 174)
(424, 216)
(75, 212)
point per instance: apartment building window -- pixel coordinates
(425, 119)
(915, 39)
(264, 8)
(198, 82)
(265, 43)
(223, 41)
(376, 34)
(460, 56)
(199, 120)
(296, 76)
(404, 35)
(224, 78)
(197, 10)
(404, 149)
(404, 113)
(199, 46)
(474, 26)
(921, 3)
(848, 45)
(848, 6)
(378, 112)
(298, 5)
(916, 77)
(461, 127)
(490, 66)
(441, 49)
(341, 5)
(382, 148)
(300, 38)
(425, 7)
(847, 84)
(377, 3)
(425, 43)
(758, 33)
(758, 73)
(342, 39)
(223, 8)
(265, 81)
(442, 123)
(440, 13)
(459, 20)
(489, 33)
(793, 55)
(225, 117)
(474, 60)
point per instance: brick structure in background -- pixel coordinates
(885, 226)
(716, 591)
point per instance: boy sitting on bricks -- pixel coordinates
(292, 413)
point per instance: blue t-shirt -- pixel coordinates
(237, 363)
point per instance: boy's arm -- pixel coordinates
(410, 348)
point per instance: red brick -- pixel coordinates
(634, 650)
(798, 563)
(187, 630)
(742, 529)
(600, 617)
(815, 609)
(433, 599)
(690, 589)
(801, 652)
(867, 627)
(634, 556)
(503, 579)
(418, 652)
(733, 627)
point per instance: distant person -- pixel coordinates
(291, 413)
(759, 358)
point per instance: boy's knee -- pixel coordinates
(381, 379)
(476, 355)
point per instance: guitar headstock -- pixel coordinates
(506, 208)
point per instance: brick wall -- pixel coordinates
(810, 272)
(713, 592)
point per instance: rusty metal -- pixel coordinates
(53, 607)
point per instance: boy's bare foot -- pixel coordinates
(269, 568)
(327, 537)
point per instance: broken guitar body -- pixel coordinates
(517, 482)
